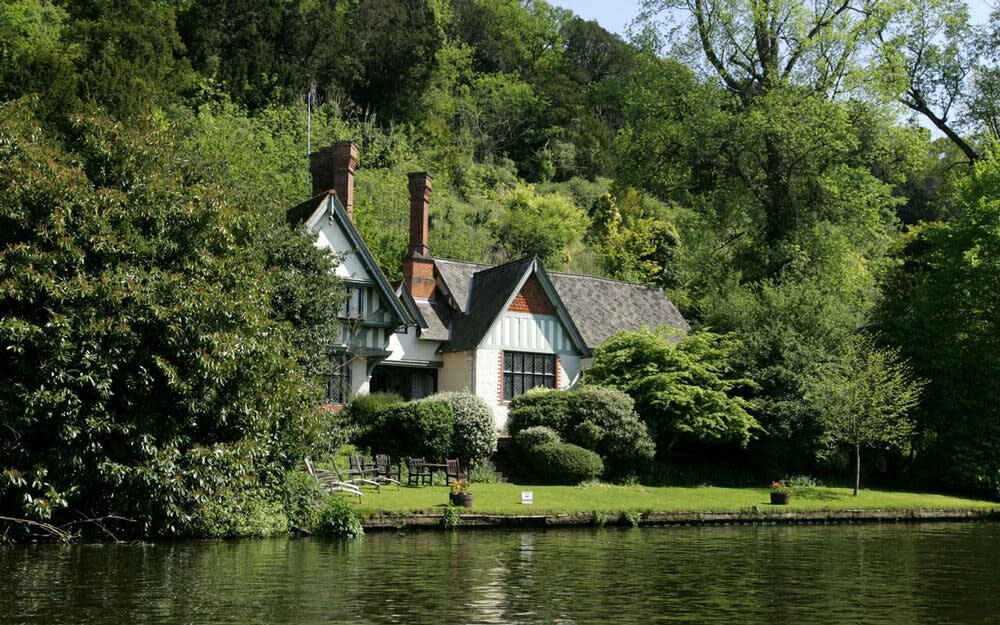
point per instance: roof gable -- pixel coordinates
(491, 293)
(327, 204)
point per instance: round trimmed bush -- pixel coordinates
(540, 406)
(534, 436)
(475, 435)
(564, 463)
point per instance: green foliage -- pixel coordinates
(338, 518)
(941, 312)
(539, 406)
(362, 411)
(687, 389)
(632, 518)
(145, 371)
(540, 225)
(450, 518)
(474, 438)
(485, 472)
(422, 429)
(563, 463)
(303, 497)
(247, 514)
(534, 436)
(863, 399)
(597, 418)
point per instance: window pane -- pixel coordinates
(549, 365)
(508, 387)
(508, 362)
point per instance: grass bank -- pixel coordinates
(504, 499)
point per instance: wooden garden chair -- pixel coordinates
(417, 471)
(330, 482)
(453, 470)
(384, 470)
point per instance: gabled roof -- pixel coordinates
(327, 204)
(599, 307)
(490, 292)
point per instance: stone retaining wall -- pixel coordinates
(753, 516)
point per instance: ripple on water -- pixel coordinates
(836, 574)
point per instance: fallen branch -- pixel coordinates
(53, 531)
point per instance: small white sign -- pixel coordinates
(527, 497)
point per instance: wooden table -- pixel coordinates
(431, 467)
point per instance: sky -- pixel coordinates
(616, 15)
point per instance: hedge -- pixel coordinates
(421, 429)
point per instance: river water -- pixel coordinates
(907, 574)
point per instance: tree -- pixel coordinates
(542, 225)
(863, 399)
(146, 374)
(940, 309)
(928, 54)
(686, 389)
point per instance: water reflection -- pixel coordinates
(861, 574)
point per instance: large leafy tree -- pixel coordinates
(146, 373)
(687, 390)
(941, 310)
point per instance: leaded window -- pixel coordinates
(338, 383)
(354, 305)
(523, 371)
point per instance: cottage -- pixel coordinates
(453, 325)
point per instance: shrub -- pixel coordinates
(564, 463)
(599, 418)
(534, 436)
(475, 436)
(303, 498)
(540, 407)
(607, 423)
(244, 514)
(485, 473)
(338, 518)
(420, 428)
(362, 411)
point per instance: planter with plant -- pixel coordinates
(460, 495)
(781, 494)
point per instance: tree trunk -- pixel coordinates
(857, 468)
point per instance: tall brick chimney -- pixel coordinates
(333, 168)
(418, 266)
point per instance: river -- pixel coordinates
(934, 573)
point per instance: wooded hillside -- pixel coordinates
(768, 166)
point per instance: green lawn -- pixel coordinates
(505, 499)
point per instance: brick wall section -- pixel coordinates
(532, 299)
(558, 371)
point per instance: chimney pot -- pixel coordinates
(333, 168)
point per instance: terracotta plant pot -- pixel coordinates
(461, 499)
(780, 499)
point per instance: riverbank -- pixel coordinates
(499, 505)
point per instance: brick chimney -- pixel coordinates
(333, 168)
(418, 266)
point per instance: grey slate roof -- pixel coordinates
(436, 316)
(602, 307)
(598, 306)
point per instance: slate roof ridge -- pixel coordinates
(551, 273)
